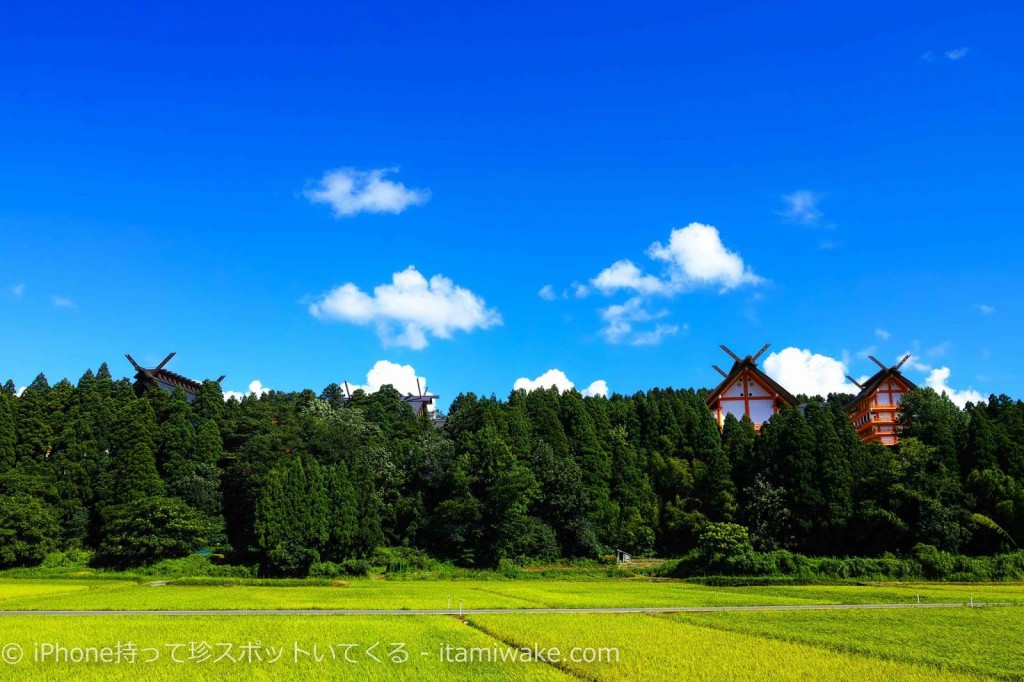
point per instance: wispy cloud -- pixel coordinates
(18, 290)
(883, 334)
(985, 309)
(621, 319)
(349, 192)
(953, 55)
(63, 302)
(802, 206)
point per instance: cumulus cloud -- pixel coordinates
(62, 302)
(938, 379)
(693, 257)
(349, 192)
(882, 334)
(620, 320)
(547, 293)
(21, 389)
(802, 207)
(402, 377)
(256, 388)
(18, 290)
(801, 371)
(409, 309)
(558, 379)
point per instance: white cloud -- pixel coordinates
(402, 377)
(801, 371)
(62, 302)
(937, 380)
(655, 336)
(416, 306)
(985, 309)
(580, 290)
(349, 191)
(694, 256)
(802, 207)
(624, 274)
(547, 292)
(18, 290)
(558, 379)
(552, 377)
(620, 320)
(883, 334)
(21, 389)
(256, 388)
(956, 53)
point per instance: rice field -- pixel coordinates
(983, 641)
(381, 594)
(897, 644)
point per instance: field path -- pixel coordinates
(479, 612)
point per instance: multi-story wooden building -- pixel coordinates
(746, 390)
(164, 379)
(875, 409)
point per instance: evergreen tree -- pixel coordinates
(132, 472)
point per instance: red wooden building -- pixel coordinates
(746, 390)
(874, 410)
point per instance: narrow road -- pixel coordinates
(478, 612)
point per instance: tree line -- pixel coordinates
(289, 481)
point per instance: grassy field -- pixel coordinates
(903, 644)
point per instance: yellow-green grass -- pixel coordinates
(657, 648)
(273, 633)
(16, 590)
(981, 640)
(376, 594)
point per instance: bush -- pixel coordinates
(349, 567)
(403, 559)
(71, 558)
(196, 566)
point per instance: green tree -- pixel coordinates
(29, 530)
(147, 529)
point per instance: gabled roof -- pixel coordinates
(159, 374)
(749, 364)
(869, 387)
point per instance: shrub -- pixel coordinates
(70, 558)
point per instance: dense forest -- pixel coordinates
(287, 481)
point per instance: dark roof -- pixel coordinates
(869, 387)
(748, 364)
(149, 375)
(173, 378)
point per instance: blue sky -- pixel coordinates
(234, 183)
